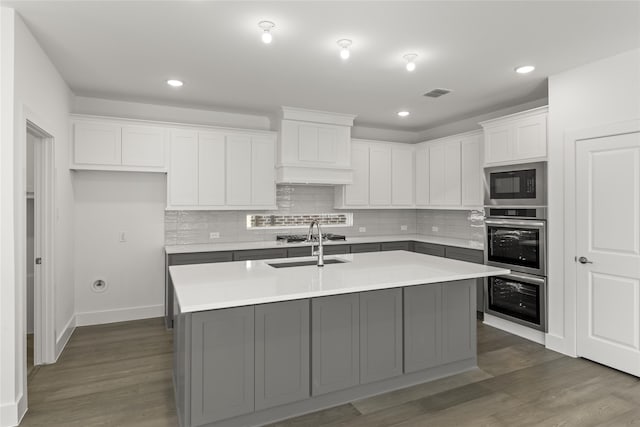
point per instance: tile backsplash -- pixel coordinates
(190, 227)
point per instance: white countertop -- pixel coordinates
(237, 246)
(201, 287)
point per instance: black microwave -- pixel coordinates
(516, 185)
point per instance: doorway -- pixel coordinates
(39, 217)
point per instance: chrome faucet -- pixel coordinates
(320, 252)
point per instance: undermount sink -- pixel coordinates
(305, 263)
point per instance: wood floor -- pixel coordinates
(120, 375)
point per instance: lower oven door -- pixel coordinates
(516, 244)
(518, 297)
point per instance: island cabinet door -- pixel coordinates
(282, 353)
(222, 364)
(380, 335)
(335, 343)
(459, 320)
(422, 327)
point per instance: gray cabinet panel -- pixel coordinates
(299, 251)
(475, 256)
(422, 327)
(336, 249)
(365, 247)
(397, 246)
(380, 335)
(459, 331)
(335, 338)
(222, 364)
(428, 249)
(282, 353)
(259, 254)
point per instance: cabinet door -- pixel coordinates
(452, 174)
(97, 143)
(459, 320)
(238, 170)
(211, 169)
(530, 138)
(282, 353)
(335, 343)
(365, 247)
(143, 146)
(357, 194)
(436, 174)
(497, 144)
(222, 364)
(380, 335)
(471, 171)
(379, 175)
(255, 254)
(183, 169)
(429, 249)
(263, 185)
(422, 176)
(422, 327)
(402, 177)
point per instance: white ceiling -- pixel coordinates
(127, 50)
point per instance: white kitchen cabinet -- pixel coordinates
(383, 176)
(422, 175)
(221, 170)
(471, 176)
(517, 138)
(117, 145)
(444, 173)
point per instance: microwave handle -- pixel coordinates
(511, 222)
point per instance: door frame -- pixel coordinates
(571, 141)
(44, 222)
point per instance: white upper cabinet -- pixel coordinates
(383, 176)
(221, 170)
(448, 172)
(117, 145)
(517, 138)
(314, 147)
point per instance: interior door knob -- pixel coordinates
(584, 260)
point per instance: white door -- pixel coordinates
(608, 239)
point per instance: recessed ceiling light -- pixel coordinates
(266, 26)
(411, 61)
(344, 51)
(174, 83)
(403, 113)
(525, 69)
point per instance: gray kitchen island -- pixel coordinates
(260, 341)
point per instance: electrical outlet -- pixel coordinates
(362, 229)
(435, 229)
(214, 235)
(123, 237)
(403, 228)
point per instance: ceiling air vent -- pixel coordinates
(437, 93)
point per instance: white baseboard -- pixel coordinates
(63, 338)
(11, 414)
(515, 329)
(559, 344)
(119, 315)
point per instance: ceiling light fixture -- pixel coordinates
(345, 44)
(411, 61)
(174, 83)
(525, 69)
(403, 113)
(266, 26)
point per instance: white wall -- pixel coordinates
(42, 96)
(602, 92)
(107, 204)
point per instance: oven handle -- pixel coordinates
(525, 279)
(539, 224)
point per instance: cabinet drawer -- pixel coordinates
(365, 247)
(259, 254)
(429, 249)
(464, 254)
(396, 246)
(200, 258)
(336, 249)
(299, 251)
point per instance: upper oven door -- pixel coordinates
(516, 185)
(517, 245)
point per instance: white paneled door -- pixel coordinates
(608, 250)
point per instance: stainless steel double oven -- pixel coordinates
(516, 238)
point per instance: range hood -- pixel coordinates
(314, 147)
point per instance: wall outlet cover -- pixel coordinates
(214, 235)
(362, 229)
(403, 228)
(435, 229)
